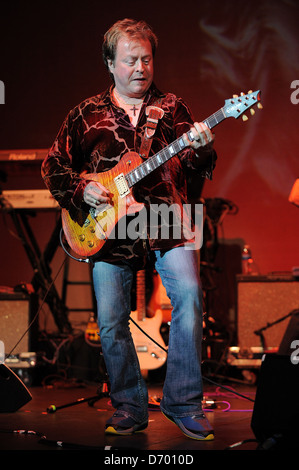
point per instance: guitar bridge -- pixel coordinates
(122, 185)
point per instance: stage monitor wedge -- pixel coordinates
(275, 414)
(13, 393)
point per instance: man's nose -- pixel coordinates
(139, 66)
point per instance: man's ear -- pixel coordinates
(110, 65)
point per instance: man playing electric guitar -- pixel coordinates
(93, 139)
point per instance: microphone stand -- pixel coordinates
(103, 391)
(259, 332)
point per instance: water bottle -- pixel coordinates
(246, 260)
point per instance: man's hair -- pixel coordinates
(127, 27)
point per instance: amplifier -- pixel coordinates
(17, 311)
(263, 304)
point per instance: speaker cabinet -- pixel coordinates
(261, 302)
(13, 393)
(275, 414)
(17, 310)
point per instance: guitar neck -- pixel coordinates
(151, 163)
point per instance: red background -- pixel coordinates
(208, 50)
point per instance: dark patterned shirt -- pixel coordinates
(94, 137)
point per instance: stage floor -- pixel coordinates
(81, 427)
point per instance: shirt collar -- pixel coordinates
(105, 98)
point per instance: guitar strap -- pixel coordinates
(153, 115)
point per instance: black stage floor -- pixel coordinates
(81, 426)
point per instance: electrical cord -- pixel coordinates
(204, 378)
(86, 260)
(39, 309)
(144, 332)
(43, 439)
(81, 260)
(148, 336)
(58, 443)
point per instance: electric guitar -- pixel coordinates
(150, 355)
(159, 301)
(90, 234)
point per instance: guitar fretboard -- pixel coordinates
(151, 163)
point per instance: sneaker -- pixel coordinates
(122, 424)
(195, 427)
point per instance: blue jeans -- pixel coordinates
(182, 391)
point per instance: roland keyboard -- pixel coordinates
(28, 199)
(25, 155)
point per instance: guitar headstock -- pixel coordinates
(238, 105)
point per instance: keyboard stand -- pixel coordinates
(42, 281)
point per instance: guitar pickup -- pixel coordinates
(122, 185)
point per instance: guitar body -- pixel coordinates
(149, 354)
(159, 300)
(88, 235)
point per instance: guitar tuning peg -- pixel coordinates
(250, 91)
(244, 117)
(242, 94)
(235, 96)
(260, 106)
(252, 112)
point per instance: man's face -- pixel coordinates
(133, 67)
